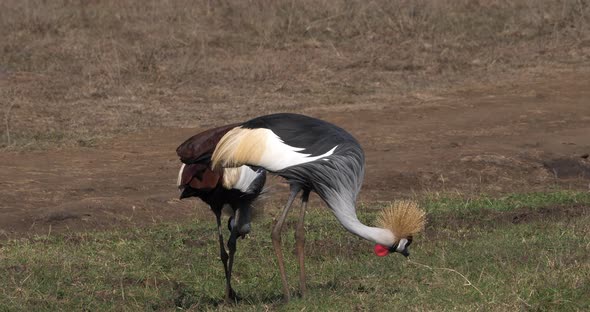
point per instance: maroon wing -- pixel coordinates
(200, 147)
(199, 176)
(196, 154)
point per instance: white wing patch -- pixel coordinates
(278, 155)
(246, 176)
(259, 147)
(180, 174)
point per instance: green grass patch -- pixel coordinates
(467, 259)
(435, 203)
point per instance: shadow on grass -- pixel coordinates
(187, 297)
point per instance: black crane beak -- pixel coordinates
(402, 246)
(405, 252)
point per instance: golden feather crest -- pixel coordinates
(404, 218)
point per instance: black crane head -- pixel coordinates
(242, 231)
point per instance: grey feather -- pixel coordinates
(337, 179)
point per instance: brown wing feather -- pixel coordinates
(208, 180)
(199, 147)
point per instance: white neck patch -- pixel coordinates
(401, 246)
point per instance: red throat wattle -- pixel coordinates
(381, 250)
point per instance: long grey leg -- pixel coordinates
(224, 257)
(276, 240)
(232, 246)
(300, 242)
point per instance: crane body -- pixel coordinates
(312, 155)
(236, 187)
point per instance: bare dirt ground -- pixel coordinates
(514, 136)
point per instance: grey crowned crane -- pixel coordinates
(313, 155)
(237, 187)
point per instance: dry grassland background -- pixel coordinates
(477, 109)
(75, 72)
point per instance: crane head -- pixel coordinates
(401, 247)
(404, 219)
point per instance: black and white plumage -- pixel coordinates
(236, 187)
(312, 155)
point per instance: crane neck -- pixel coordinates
(374, 234)
(345, 212)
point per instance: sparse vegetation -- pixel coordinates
(482, 259)
(77, 71)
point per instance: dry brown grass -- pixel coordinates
(72, 72)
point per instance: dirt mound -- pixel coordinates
(567, 168)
